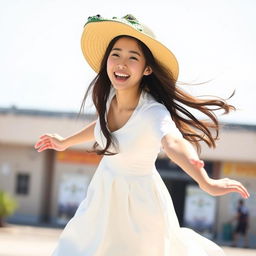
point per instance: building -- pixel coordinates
(49, 185)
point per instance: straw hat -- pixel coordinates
(99, 31)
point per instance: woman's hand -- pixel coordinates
(221, 186)
(51, 141)
(224, 186)
(183, 154)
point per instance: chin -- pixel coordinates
(120, 86)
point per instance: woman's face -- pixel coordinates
(126, 64)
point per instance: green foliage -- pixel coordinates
(7, 204)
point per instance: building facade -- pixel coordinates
(49, 185)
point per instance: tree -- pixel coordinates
(7, 206)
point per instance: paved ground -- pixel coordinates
(16, 240)
(27, 240)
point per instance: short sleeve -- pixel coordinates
(160, 122)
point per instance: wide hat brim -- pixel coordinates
(96, 37)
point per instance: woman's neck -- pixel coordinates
(126, 100)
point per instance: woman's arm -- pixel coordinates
(55, 141)
(183, 154)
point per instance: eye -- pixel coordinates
(133, 58)
(115, 54)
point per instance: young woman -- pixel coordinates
(128, 210)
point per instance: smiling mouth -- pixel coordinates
(120, 76)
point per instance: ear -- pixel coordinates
(148, 70)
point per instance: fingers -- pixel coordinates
(44, 147)
(236, 186)
(44, 142)
(40, 143)
(244, 190)
(238, 190)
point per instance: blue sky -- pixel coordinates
(42, 66)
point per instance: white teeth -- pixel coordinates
(122, 75)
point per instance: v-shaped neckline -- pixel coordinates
(131, 116)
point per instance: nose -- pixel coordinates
(122, 63)
(121, 66)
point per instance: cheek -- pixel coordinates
(110, 63)
(137, 68)
(109, 66)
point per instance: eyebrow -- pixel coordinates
(119, 49)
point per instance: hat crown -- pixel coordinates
(128, 19)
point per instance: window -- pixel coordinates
(22, 184)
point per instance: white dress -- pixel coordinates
(128, 210)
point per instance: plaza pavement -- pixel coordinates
(19, 240)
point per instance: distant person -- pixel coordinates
(242, 219)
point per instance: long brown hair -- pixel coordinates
(163, 87)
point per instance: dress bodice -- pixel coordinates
(139, 139)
